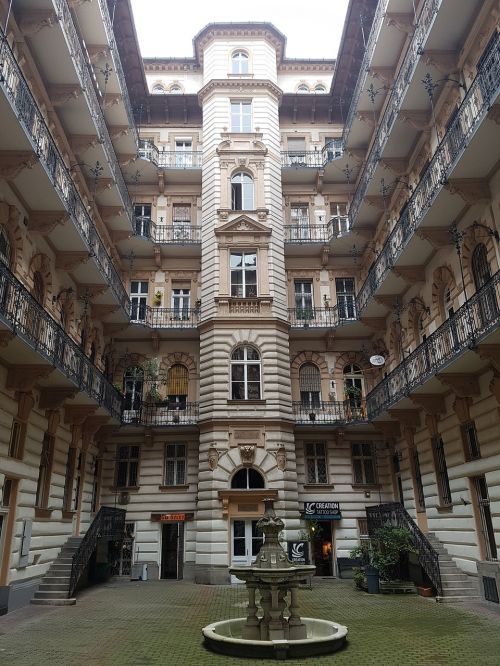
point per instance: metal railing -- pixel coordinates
(319, 317)
(108, 524)
(315, 159)
(170, 159)
(164, 317)
(26, 318)
(469, 116)
(31, 119)
(346, 411)
(87, 83)
(303, 232)
(178, 234)
(162, 413)
(475, 319)
(394, 514)
(396, 95)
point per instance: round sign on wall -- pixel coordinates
(377, 360)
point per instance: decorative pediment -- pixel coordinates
(243, 225)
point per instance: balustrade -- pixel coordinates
(346, 411)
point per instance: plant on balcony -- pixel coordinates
(152, 367)
(157, 298)
(305, 313)
(153, 394)
(351, 392)
(326, 302)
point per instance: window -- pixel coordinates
(297, 150)
(299, 217)
(304, 299)
(5, 251)
(15, 439)
(69, 479)
(363, 529)
(180, 303)
(241, 116)
(175, 89)
(175, 464)
(310, 385)
(320, 89)
(316, 462)
(142, 214)
(338, 216)
(184, 153)
(6, 494)
(127, 466)
(419, 486)
(181, 221)
(353, 385)
(247, 479)
(245, 374)
(241, 192)
(96, 477)
(133, 386)
(303, 89)
(239, 63)
(138, 299)
(158, 89)
(443, 481)
(470, 441)
(38, 287)
(177, 386)
(243, 266)
(44, 471)
(363, 463)
(480, 266)
(345, 298)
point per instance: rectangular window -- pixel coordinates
(138, 299)
(15, 439)
(241, 116)
(316, 462)
(175, 464)
(339, 219)
(180, 303)
(127, 466)
(183, 153)
(181, 221)
(243, 274)
(363, 463)
(345, 297)
(44, 471)
(297, 150)
(304, 299)
(6, 493)
(363, 529)
(443, 481)
(470, 441)
(299, 218)
(142, 214)
(418, 481)
(69, 478)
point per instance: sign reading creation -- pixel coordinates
(298, 552)
(322, 511)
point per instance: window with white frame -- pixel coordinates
(316, 462)
(242, 192)
(180, 303)
(363, 463)
(175, 89)
(241, 116)
(184, 153)
(181, 221)
(127, 466)
(339, 218)
(243, 266)
(142, 214)
(239, 63)
(346, 303)
(133, 387)
(175, 465)
(138, 299)
(304, 299)
(158, 89)
(245, 374)
(303, 89)
(299, 217)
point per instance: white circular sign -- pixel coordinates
(377, 360)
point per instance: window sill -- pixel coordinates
(173, 489)
(240, 76)
(124, 489)
(318, 486)
(246, 402)
(366, 486)
(67, 515)
(41, 512)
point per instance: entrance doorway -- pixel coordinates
(172, 550)
(487, 541)
(322, 548)
(246, 542)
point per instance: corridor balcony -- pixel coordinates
(178, 234)
(45, 340)
(167, 318)
(468, 119)
(302, 232)
(476, 319)
(162, 413)
(312, 159)
(314, 318)
(27, 133)
(330, 413)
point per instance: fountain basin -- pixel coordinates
(323, 637)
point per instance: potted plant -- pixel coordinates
(157, 298)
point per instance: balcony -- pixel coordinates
(330, 413)
(184, 166)
(302, 233)
(314, 318)
(312, 159)
(21, 314)
(168, 318)
(472, 323)
(31, 123)
(178, 234)
(469, 117)
(162, 414)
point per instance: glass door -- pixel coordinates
(183, 153)
(246, 543)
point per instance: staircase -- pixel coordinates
(54, 588)
(456, 586)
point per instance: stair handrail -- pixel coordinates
(108, 523)
(394, 514)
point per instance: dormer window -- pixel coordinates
(239, 63)
(158, 89)
(320, 89)
(303, 89)
(175, 89)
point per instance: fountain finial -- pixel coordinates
(271, 554)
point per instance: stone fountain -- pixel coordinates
(276, 630)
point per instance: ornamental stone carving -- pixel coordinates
(247, 454)
(281, 458)
(213, 458)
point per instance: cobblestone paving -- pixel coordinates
(143, 624)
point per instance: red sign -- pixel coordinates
(172, 517)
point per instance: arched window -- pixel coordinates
(241, 192)
(158, 89)
(5, 249)
(239, 63)
(320, 89)
(175, 89)
(310, 385)
(247, 478)
(245, 374)
(303, 89)
(38, 287)
(177, 386)
(353, 382)
(133, 386)
(480, 266)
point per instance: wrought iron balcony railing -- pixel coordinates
(468, 118)
(315, 159)
(303, 232)
(320, 317)
(162, 413)
(26, 318)
(178, 234)
(87, 84)
(479, 316)
(31, 119)
(393, 104)
(170, 159)
(164, 317)
(322, 413)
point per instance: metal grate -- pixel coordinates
(490, 589)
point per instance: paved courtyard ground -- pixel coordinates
(149, 623)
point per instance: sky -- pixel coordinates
(167, 27)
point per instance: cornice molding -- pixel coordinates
(248, 86)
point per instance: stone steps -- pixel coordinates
(53, 590)
(457, 586)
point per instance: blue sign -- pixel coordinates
(322, 511)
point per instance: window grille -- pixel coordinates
(316, 462)
(441, 470)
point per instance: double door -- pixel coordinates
(246, 543)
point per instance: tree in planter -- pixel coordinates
(384, 552)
